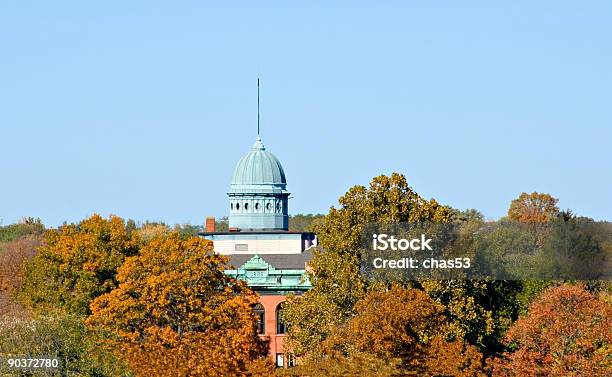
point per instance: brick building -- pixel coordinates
(271, 259)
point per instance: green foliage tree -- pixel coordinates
(304, 223)
(337, 288)
(478, 312)
(222, 225)
(59, 336)
(337, 284)
(27, 226)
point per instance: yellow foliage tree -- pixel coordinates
(78, 263)
(176, 313)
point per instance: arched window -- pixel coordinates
(281, 326)
(260, 313)
(246, 206)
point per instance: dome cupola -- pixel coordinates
(258, 171)
(258, 195)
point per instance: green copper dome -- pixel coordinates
(258, 195)
(258, 172)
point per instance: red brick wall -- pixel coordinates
(276, 340)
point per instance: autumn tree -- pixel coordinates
(176, 313)
(337, 288)
(78, 263)
(12, 258)
(566, 332)
(150, 230)
(533, 208)
(403, 327)
(388, 200)
(478, 309)
(337, 284)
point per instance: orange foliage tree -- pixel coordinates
(533, 208)
(402, 327)
(176, 313)
(567, 332)
(78, 263)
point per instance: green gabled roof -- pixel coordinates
(261, 275)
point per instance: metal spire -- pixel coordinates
(258, 107)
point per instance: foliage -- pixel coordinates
(304, 223)
(176, 310)
(15, 254)
(478, 311)
(61, 336)
(387, 200)
(28, 226)
(468, 215)
(77, 264)
(533, 208)
(222, 225)
(149, 230)
(335, 364)
(402, 327)
(566, 332)
(313, 316)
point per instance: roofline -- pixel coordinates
(253, 232)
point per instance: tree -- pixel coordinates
(388, 200)
(335, 364)
(303, 223)
(337, 284)
(175, 312)
(313, 316)
(402, 327)
(533, 208)
(27, 226)
(15, 254)
(61, 336)
(150, 230)
(78, 263)
(566, 332)
(478, 311)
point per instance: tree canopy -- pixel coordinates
(567, 331)
(78, 263)
(176, 310)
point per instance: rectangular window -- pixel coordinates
(280, 360)
(291, 362)
(241, 247)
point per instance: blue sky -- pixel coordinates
(142, 109)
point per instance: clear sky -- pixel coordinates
(142, 109)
